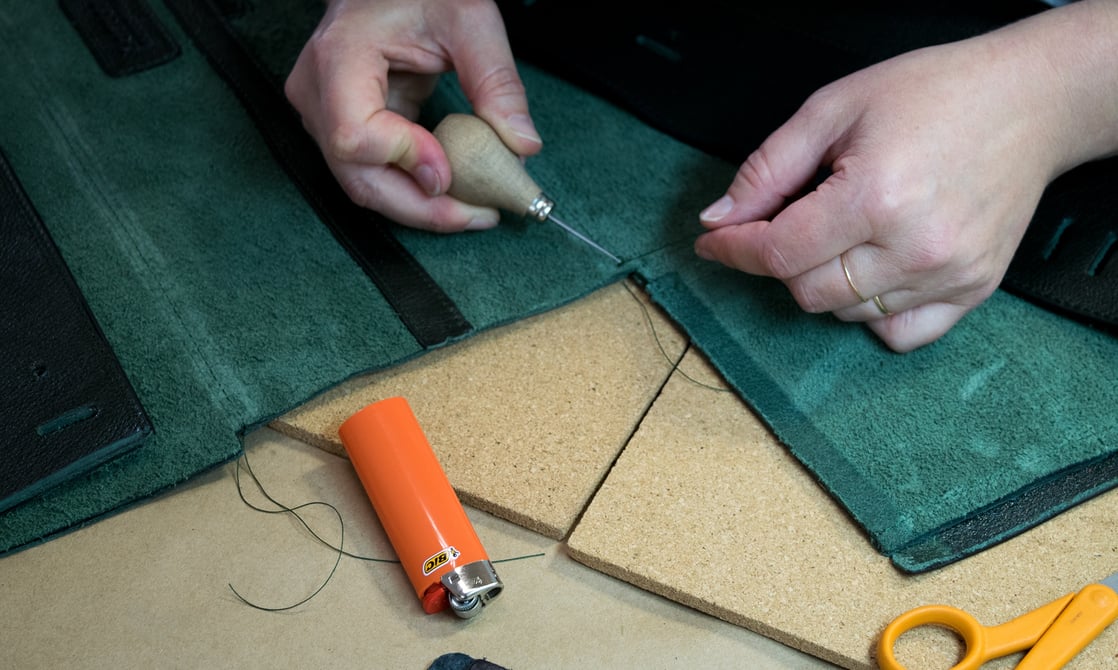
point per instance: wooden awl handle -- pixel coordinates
(484, 171)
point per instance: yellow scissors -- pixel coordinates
(1055, 632)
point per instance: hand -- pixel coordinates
(938, 159)
(359, 84)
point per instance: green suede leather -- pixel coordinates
(228, 302)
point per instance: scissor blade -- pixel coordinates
(1086, 615)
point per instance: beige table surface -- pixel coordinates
(675, 533)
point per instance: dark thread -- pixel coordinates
(518, 558)
(294, 511)
(283, 509)
(660, 346)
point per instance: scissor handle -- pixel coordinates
(972, 632)
(984, 643)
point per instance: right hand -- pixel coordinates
(359, 84)
(938, 158)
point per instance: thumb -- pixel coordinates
(785, 163)
(489, 78)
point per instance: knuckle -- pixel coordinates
(822, 99)
(774, 262)
(343, 143)
(378, 140)
(899, 344)
(906, 333)
(806, 296)
(756, 170)
(933, 255)
(937, 248)
(362, 192)
(888, 198)
(322, 48)
(376, 195)
(292, 88)
(825, 104)
(501, 81)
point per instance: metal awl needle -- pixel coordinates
(580, 236)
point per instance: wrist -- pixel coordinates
(1070, 56)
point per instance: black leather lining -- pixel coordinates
(1068, 260)
(66, 404)
(124, 36)
(422, 305)
(1004, 519)
(721, 76)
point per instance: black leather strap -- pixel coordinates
(422, 305)
(65, 403)
(1068, 260)
(124, 36)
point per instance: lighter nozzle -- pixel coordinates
(471, 586)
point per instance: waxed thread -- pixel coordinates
(294, 511)
(660, 345)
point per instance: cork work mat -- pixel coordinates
(705, 508)
(569, 424)
(527, 418)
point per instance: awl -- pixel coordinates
(486, 173)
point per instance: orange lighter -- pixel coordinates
(428, 528)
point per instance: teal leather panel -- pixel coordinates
(229, 303)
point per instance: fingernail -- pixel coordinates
(428, 179)
(522, 126)
(702, 252)
(718, 209)
(483, 222)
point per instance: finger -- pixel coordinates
(479, 48)
(808, 233)
(394, 194)
(846, 284)
(733, 246)
(408, 91)
(780, 168)
(356, 127)
(917, 327)
(878, 306)
(826, 288)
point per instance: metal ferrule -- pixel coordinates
(472, 586)
(540, 207)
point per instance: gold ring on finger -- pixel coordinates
(881, 306)
(850, 279)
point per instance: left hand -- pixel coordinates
(359, 84)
